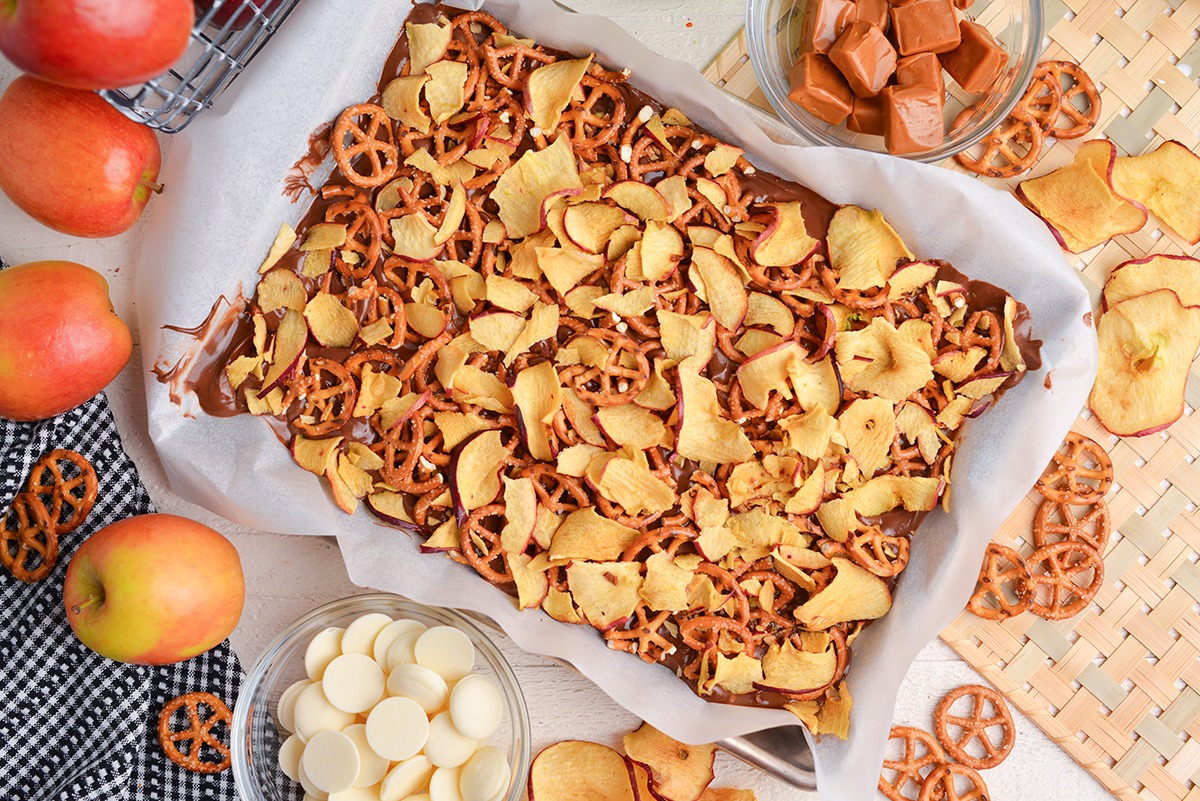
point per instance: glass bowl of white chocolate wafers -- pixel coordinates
(377, 698)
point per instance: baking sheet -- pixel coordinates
(224, 202)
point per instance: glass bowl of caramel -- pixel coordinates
(922, 80)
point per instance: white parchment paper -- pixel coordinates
(224, 202)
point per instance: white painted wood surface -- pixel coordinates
(287, 576)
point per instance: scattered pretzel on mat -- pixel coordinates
(198, 735)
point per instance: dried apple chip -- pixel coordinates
(1078, 201)
(704, 433)
(288, 348)
(402, 102)
(475, 472)
(523, 187)
(585, 534)
(1146, 348)
(1180, 274)
(786, 240)
(549, 90)
(863, 248)
(854, 594)
(444, 91)
(580, 771)
(1165, 182)
(640, 199)
(537, 395)
(678, 772)
(427, 43)
(331, 323)
(281, 289)
(605, 592)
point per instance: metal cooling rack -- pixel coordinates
(215, 56)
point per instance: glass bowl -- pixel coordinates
(256, 737)
(773, 31)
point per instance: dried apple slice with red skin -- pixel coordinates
(785, 241)
(678, 772)
(290, 339)
(1146, 348)
(589, 226)
(727, 297)
(580, 771)
(475, 472)
(1078, 203)
(1180, 274)
(389, 507)
(281, 289)
(523, 187)
(642, 200)
(1164, 182)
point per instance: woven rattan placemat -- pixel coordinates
(1118, 686)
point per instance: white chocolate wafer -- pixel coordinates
(360, 635)
(397, 728)
(358, 794)
(289, 757)
(421, 684)
(353, 682)
(446, 650)
(443, 785)
(408, 777)
(310, 789)
(331, 761)
(485, 775)
(372, 767)
(389, 634)
(446, 746)
(476, 707)
(322, 650)
(400, 652)
(286, 707)
(314, 713)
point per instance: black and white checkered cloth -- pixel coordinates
(75, 726)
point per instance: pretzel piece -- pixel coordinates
(1056, 568)
(941, 784)
(199, 734)
(1079, 460)
(1001, 584)
(908, 769)
(1056, 519)
(72, 495)
(975, 726)
(1082, 120)
(28, 540)
(366, 140)
(1001, 156)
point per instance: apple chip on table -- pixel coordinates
(716, 457)
(983, 234)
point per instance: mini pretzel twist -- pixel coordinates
(975, 727)
(72, 495)
(28, 540)
(374, 140)
(199, 735)
(909, 768)
(999, 585)
(1077, 462)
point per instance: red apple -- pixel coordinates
(73, 162)
(95, 44)
(231, 7)
(60, 340)
(154, 589)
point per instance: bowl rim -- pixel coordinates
(244, 780)
(791, 115)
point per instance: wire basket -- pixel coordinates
(226, 36)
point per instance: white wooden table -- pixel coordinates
(287, 576)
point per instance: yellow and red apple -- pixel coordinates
(73, 162)
(60, 340)
(154, 589)
(95, 44)
(231, 7)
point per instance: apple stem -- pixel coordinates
(91, 602)
(156, 188)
